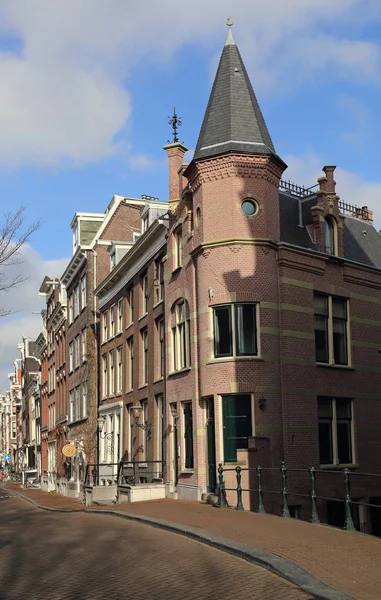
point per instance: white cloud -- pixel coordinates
(63, 88)
(351, 187)
(24, 300)
(142, 162)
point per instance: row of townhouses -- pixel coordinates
(237, 324)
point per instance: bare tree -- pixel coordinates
(13, 235)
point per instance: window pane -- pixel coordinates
(344, 450)
(339, 308)
(325, 442)
(222, 331)
(325, 408)
(321, 304)
(343, 409)
(340, 341)
(246, 334)
(321, 339)
(329, 236)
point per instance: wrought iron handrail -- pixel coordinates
(345, 475)
(102, 466)
(134, 472)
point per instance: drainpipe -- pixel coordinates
(96, 360)
(280, 363)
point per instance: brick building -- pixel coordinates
(132, 360)
(273, 308)
(53, 389)
(94, 234)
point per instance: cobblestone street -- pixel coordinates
(66, 557)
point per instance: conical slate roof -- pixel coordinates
(233, 121)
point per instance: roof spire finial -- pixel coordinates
(230, 39)
(175, 122)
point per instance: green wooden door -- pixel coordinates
(212, 466)
(237, 424)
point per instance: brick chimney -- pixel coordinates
(175, 153)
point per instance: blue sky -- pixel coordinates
(86, 89)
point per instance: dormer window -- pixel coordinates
(112, 259)
(330, 246)
(145, 223)
(75, 238)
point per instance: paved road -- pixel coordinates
(86, 557)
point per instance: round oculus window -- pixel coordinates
(249, 207)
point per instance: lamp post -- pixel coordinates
(175, 418)
(104, 435)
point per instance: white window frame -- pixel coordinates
(160, 347)
(178, 248)
(130, 297)
(144, 284)
(181, 337)
(71, 309)
(77, 351)
(111, 365)
(335, 453)
(159, 280)
(84, 400)
(144, 404)
(104, 376)
(331, 357)
(120, 314)
(112, 321)
(84, 345)
(144, 344)
(83, 292)
(76, 301)
(104, 326)
(233, 325)
(71, 357)
(130, 363)
(119, 371)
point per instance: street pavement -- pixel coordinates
(348, 562)
(73, 556)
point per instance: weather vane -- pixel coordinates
(175, 122)
(229, 21)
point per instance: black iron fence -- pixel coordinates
(277, 489)
(136, 472)
(108, 474)
(131, 472)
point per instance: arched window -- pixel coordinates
(180, 335)
(330, 236)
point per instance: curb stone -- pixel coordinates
(284, 568)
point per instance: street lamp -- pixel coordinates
(104, 435)
(136, 412)
(175, 418)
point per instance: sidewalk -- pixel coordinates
(349, 562)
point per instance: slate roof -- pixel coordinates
(362, 243)
(233, 121)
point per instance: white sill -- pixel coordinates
(235, 359)
(176, 270)
(142, 317)
(158, 303)
(184, 370)
(129, 391)
(118, 333)
(158, 380)
(186, 472)
(333, 366)
(141, 387)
